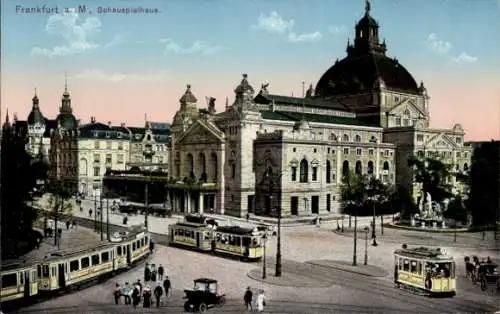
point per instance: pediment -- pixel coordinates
(201, 131)
(440, 141)
(407, 104)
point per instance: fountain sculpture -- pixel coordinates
(430, 213)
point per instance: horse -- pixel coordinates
(469, 268)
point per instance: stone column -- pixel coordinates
(377, 162)
(188, 202)
(201, 203)
(339, 165)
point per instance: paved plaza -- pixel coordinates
(317, 276)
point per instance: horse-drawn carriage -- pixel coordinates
(484, 273)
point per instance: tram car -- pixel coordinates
(203, 234)
(65, 270)
(426, 271)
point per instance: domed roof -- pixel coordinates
(188, 96)
(357, 73)
(67, 121)
(35, 115)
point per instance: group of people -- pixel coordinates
(135, 293)
(260, 301)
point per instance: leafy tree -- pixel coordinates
(59, 206)
(433, 175)
(401, 200)
(17, 182)
(353, 192)
(456, 210)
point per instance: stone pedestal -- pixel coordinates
(423, 224)
(443, 225)
(412, 222)
(434, 225)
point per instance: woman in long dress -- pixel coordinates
(261, 301)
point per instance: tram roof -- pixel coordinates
(190, 224)
(424, 253)
(235, 230)
(70, 253)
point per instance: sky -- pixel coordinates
(134, 64)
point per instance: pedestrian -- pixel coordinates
(248, 216)
(136, 296)
(146, 297)
(74, 224)
(160, 272)
(151, 247)
(261, 301)
(153, 272)
(248, 299)
(126, 292)
(117, 293)
(67, 224)
(158, 292)
(166, 286)
(139, 284)
(90, 213)
(147, 273)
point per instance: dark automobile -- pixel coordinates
(203, 295)
(488, 275)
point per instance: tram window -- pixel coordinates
(406, 265)
(95, 259)
(39, 271)
(443, 270)
(105, 257)
(138, 245)
(181, 232)
(246, 241)
(176, 232)
(238, 241)
(146, 240)
(142, 242)
(45, 270)
(21, 278)
(206, 235)
(419, 268)
(53, 268)
(218, 237)
(413, 266)
(400, 263)
(119, 251)
(85, 262)
(9, 280)
(133, 246)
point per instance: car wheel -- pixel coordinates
(188, 307)
(222, 301)
(202, 308)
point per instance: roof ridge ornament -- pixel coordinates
(368, 7)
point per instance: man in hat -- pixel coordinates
(248, 299)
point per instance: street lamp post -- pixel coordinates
(354, 254)
(107, 217)
(146, 205)
(95, 210)
(278, 250)
(264, 274)
(366, 245)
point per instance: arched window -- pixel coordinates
(202, 167)
(83, 167)
(345, 138)
(357, 138)
(370, 167)
(215, 171)
(466, 167)
(304, 170)
(328, 171)
(345, 168)
(386, 165)
(190, 165)
(149, 137)
(359, 168)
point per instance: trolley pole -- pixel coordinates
(366, 246)
(146, 205)
(107, 218)
(264, 274)
(100, 216)
(354, 257)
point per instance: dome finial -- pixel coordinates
(36, 93)
(368, 7)
(245, 75)
(65, 82)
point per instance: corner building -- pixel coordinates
(266, 151)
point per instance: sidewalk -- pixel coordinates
(367, 270)
(286, 279)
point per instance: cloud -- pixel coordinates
(118, 39)
(338, 30)
(74, 32)
(316, 36)
(98, 74)
(465, 58)
(274, 23)
(197, 47)
(438, 45)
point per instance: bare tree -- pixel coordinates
(59, 205)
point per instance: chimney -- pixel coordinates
(92, 119)
(122, 124)
(109, 123)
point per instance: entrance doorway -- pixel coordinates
(294, 205)
(315, 204)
